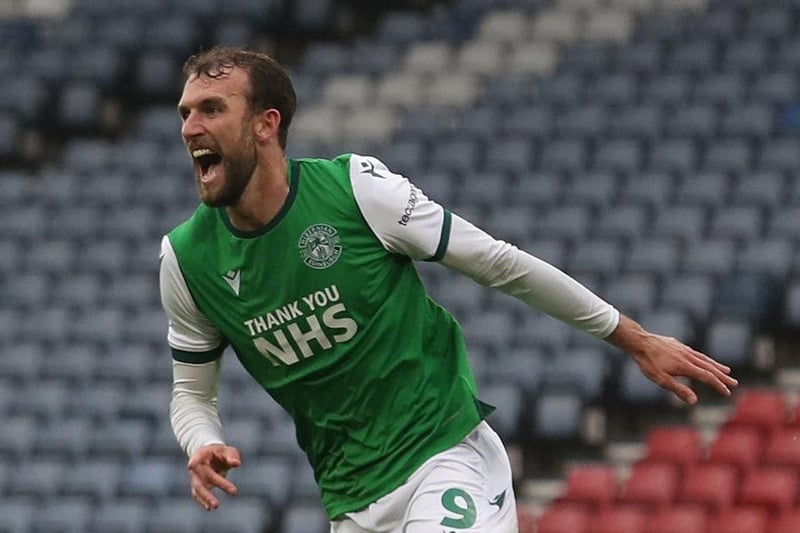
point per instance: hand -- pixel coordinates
(663, 359)
(208, 467)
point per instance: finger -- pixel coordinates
(680, 390)
(721, 375)
(211, 478)
(203, 495)
(709, 378)
(707, 359)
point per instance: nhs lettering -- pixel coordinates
(300, 329)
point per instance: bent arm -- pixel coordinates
(193, 408)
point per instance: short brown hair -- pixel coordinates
(270, 86)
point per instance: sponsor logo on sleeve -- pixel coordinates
(413, 200)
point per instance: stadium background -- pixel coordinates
(648, 147)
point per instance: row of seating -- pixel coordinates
(744, 479)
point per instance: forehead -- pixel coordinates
(231, 84)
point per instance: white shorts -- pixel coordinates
(464, 489)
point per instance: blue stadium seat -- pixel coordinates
(647, 190)
(734, 156)
(685, 222)
(623, 156)
(176, 514)
(627, 221)
(558, 415)
(765, 189)
(715, 256)
(513, 155)
(40, 478)
(530, 122)
(305, 517)
(747, 55)
(694, 56)
(691, 293)
(18, 513)
(696, 121)
(633, 294)
(584, 369)
(245, 515)
(667, 88)
(739, 222)
(571, 222)
(730, 341)
(602, 257)
(723, 88)
(95, 479)
(593, 189)
(615, 89)
(507, 398)
(753, 120)
(17, 436)
(658, 256)
(677, 155)
(121, 515)
(67, 514)
(773, 256)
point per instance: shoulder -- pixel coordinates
(196, 225)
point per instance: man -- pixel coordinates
(305, 268)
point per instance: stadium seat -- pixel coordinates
(730, 340)
(564, 518)
(741, 446)
(786, 522)
(592, 484)
(740, 519)
(120, 515)
(783, 448)
(652, 484)
(305, 517)
(673, 443)
(773, 488)
(558, 415)
(620, 518)
(761, 408)
(679, 518)
(714, 486)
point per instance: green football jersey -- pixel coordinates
(324, 308)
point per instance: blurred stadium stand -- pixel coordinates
(648, 147)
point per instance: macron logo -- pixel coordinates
(232, 278)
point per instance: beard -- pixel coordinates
(237, 173)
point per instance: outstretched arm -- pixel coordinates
(496, 263)
(663, 359)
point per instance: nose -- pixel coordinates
(192, 127)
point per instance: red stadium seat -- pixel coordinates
(786, 522)
(680, 518)
(783, 448)
(620, 518)
(740, 520)
(651, 483)
(740, 446)
(772, 487)
(679, 444)
(765, 409)
(711, 485)
(592, 484)
(564, 518)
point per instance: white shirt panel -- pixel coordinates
(399, 214)
(189, 329)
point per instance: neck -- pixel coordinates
(263, 197)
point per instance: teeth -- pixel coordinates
(201, 152)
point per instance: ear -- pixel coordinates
(266, 124)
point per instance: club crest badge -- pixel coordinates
(319, 246)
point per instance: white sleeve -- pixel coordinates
(189, 329)
(193, 409)
(397, 212)
(498, 264)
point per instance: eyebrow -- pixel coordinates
(205, 102)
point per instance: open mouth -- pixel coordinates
(206, 158)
